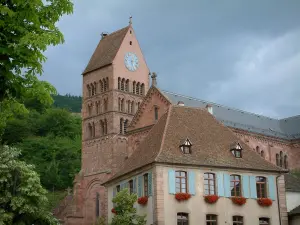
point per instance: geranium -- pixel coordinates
(113, 211)
(238, 200)
(143, 200)
(211, 198)
(182, 196)
(264, 202)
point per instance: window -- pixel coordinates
(182, 219)
(133, 87)
(186, 146)
(130, 42)
(236, 150)
(97, 205)
(105, 105)
(281, 159)
(156, 113)
(285, 161)
(146, 184)
(277, 160)
(181, 182)
(125, 126)
(209, 184)
(235, 185)
(211, 219)
(261, 187)
(264, 221)
(118, 188)
(257, 149)
(131, 186)
(237, 220)
(262, 154)
(121, 126)
(119, 83)
(105, 126)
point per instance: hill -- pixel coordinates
(69, 102)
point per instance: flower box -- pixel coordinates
(113, 211)
(211, 199)
(238, 200)
(264, 202)
(182, 196)
(143, 200)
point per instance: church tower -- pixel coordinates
(114, 84)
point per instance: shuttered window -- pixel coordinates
(181, 182)
(235, 185)
(209, 184)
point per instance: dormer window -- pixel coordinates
(236, 150)
(186, 146)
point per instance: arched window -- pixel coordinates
(156, 113)
(137, 90)
(262, 154)
(119, 83)
(122, 105)
(101, 85)
(119, 104)
(121, 125)
(89, 91)
(127, 85)
(281, 159)
(105, 126)
(128, 107)
(105, 105)
(257, 149)
(93, 130)
(123, 84)
(107, 84)
(92, 87)
(209, 184)
(181, 182)
(125, 126)
(261, 187)
(138, 104)
(285, 161)
(97, 107)
(277, 160)
(102, 127)
(104, 84)
(132, 107)
(89, 109)
(90, 130)
(235, 185)
(95, 88)
(143, 89)
(97, 205)
(133, 87)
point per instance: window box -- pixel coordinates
(113, 210)
(211, 199)
(182, 196)
(264, 202)
(143, 200)
(238, 200)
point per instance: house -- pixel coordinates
(292, 183)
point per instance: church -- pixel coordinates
(188, 160)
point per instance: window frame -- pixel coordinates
(235, 185)
(211, 219)
(259, 188)
(264, 218)
(182, 221)
(208, 185)
(118, 188)
(130, 185)
(181, 184)
(146, 183)
(236, 221)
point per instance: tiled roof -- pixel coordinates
(211, 143)
(292, 183)
(287, 128)
(106, 50)
(295, 211)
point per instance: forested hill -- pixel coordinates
(69, 102)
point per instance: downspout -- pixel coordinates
(279, 212)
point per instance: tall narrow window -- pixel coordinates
(264, 221)
(209, 184)
(156, 113)
(101, 85)
(131, 186)
(97, 205)
(90, 109)
(92, 87)
(125, 126)
(262, 154)
(238, 220)
(90, 130)
(137, 90)
(89, 91)
(133, 87)
(102, 127)
(107, 84)
(211, 219)
(123, 84)
(235, 185)
(118, 188)
(127, 85)
(182, 219)
(104, 84)
(281, 159)
(105, 126)
(93, 130)
(138, 104)
(277, 160)
(285, 162)
(143, 89)
(181, 182)
(132, 107)
(119, 83)
(146, 184)
(105, 105)
(261, 187)
(122, 105)
(121, 126)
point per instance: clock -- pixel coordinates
(131, 61)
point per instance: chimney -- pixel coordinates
(153, 76)
(209, 109)
(103, 35)
(180, 103)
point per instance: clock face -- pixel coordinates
(131, 61)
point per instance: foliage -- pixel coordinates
(54, 198)
(27, 28)
(69, 102)
(125, 212)
(265, 202)
(22, 198)
(296, 172)
(100, 221)
(211, 199)
(182, 196)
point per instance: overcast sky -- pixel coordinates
(243, 54)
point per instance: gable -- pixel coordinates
(145, 115)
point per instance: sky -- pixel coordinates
(239, 53)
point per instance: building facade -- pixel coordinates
(119, 110)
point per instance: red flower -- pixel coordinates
(143, 200)
(239, 200)
(182, 196)
(265, 202)
(211, 198)
(113, 211)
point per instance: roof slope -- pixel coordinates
(295, 211)
(106, 50)
(292, 183)
(211, 143)
(287, 128)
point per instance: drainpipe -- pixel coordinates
(279, 211)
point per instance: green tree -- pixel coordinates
(125, 212)
(27, 28)
(22, 198)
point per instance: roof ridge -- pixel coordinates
(216, 104)
(164, 133)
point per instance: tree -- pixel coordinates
(22, 198)
(125, 212)
(27, 28)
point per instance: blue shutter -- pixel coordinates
(245, 186)
(150, 183)
(191, 180)
(253, 193)
(272, 187)
(140, 185)
(227, 185)
(134, 185)
(171, 181)
(220, 181)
